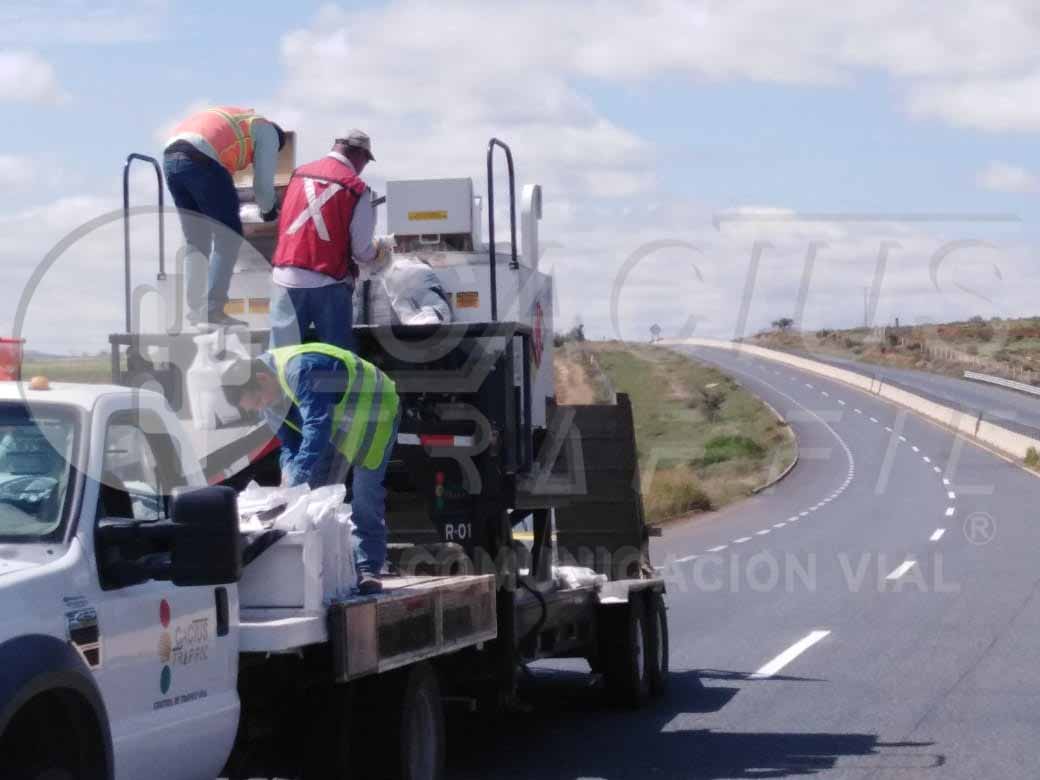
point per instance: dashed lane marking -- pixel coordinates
(789, 655)
(900, 570)
(937, 535)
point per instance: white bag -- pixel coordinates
(209, 408)
(403, 291)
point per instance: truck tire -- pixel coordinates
(625, 659)
(400, 722)
(421, 738)
(657, 642)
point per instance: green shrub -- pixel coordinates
(1033, 458)
(723, 448)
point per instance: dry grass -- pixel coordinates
(703, 441)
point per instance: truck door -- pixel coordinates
(169, 669)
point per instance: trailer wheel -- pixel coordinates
(657, 642)
(625, 646)
(406, 741)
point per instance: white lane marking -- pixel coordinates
(803, 514)
(926, 459)
(914, 448)
(902, 569)
(889, 429)
(946, 481)
(763, 532)
(902, 438)
(742, 539)
(685, 559)
(779, 525)
(808, 385)
(841, 402)
(952, 495)
(789, 654)
(937, 535)
(937, 470)
(792, 518)
(825, 394)
(949, 511)
(873, 419)
(858, 411)
(720, 548)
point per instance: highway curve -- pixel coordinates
(875, 614)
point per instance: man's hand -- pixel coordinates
(270, 216)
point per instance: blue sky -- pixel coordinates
(641, 119)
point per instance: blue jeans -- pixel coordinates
(330, 308)
(368, 507)
(205, 196)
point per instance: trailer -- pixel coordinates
(483, 450)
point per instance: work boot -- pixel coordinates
(369, 585)
(222, 320)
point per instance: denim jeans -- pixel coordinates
(205, 196)
(330, 308)
(368, 507)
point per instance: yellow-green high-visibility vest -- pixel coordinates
(363, 420)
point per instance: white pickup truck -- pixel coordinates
(124, 652)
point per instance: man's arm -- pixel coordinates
(265, 163)
(363, 230)
(289, 439)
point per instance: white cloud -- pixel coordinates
(1003, 177)
(25, 76)
(995, 105)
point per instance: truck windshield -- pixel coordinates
(36, 455)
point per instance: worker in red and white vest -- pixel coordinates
(326, 228)
(203, 154)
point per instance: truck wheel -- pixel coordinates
(422, 743)
(657, 642)
(401, 725)
(626, 664)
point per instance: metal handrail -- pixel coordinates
(126, 227)
(514, 263)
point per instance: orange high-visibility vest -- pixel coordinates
(228, 129)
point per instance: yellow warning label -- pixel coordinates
(426, 215)
(259, 305)
(235, 306)
(467, 300)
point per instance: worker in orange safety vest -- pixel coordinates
(200, 160)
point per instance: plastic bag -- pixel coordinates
(403, 291)
(571, 577)
(214, 351)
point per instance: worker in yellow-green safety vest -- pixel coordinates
(328, 407)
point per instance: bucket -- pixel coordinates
(11, 359)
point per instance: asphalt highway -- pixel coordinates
(873, 615)
(1010, 408)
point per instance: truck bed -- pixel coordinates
(413, 619)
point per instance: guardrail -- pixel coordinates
(1011, 384)
(969, 424)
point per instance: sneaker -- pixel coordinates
(369, 585)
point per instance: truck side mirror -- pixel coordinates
(206, 539)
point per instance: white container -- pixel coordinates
(287, 575)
